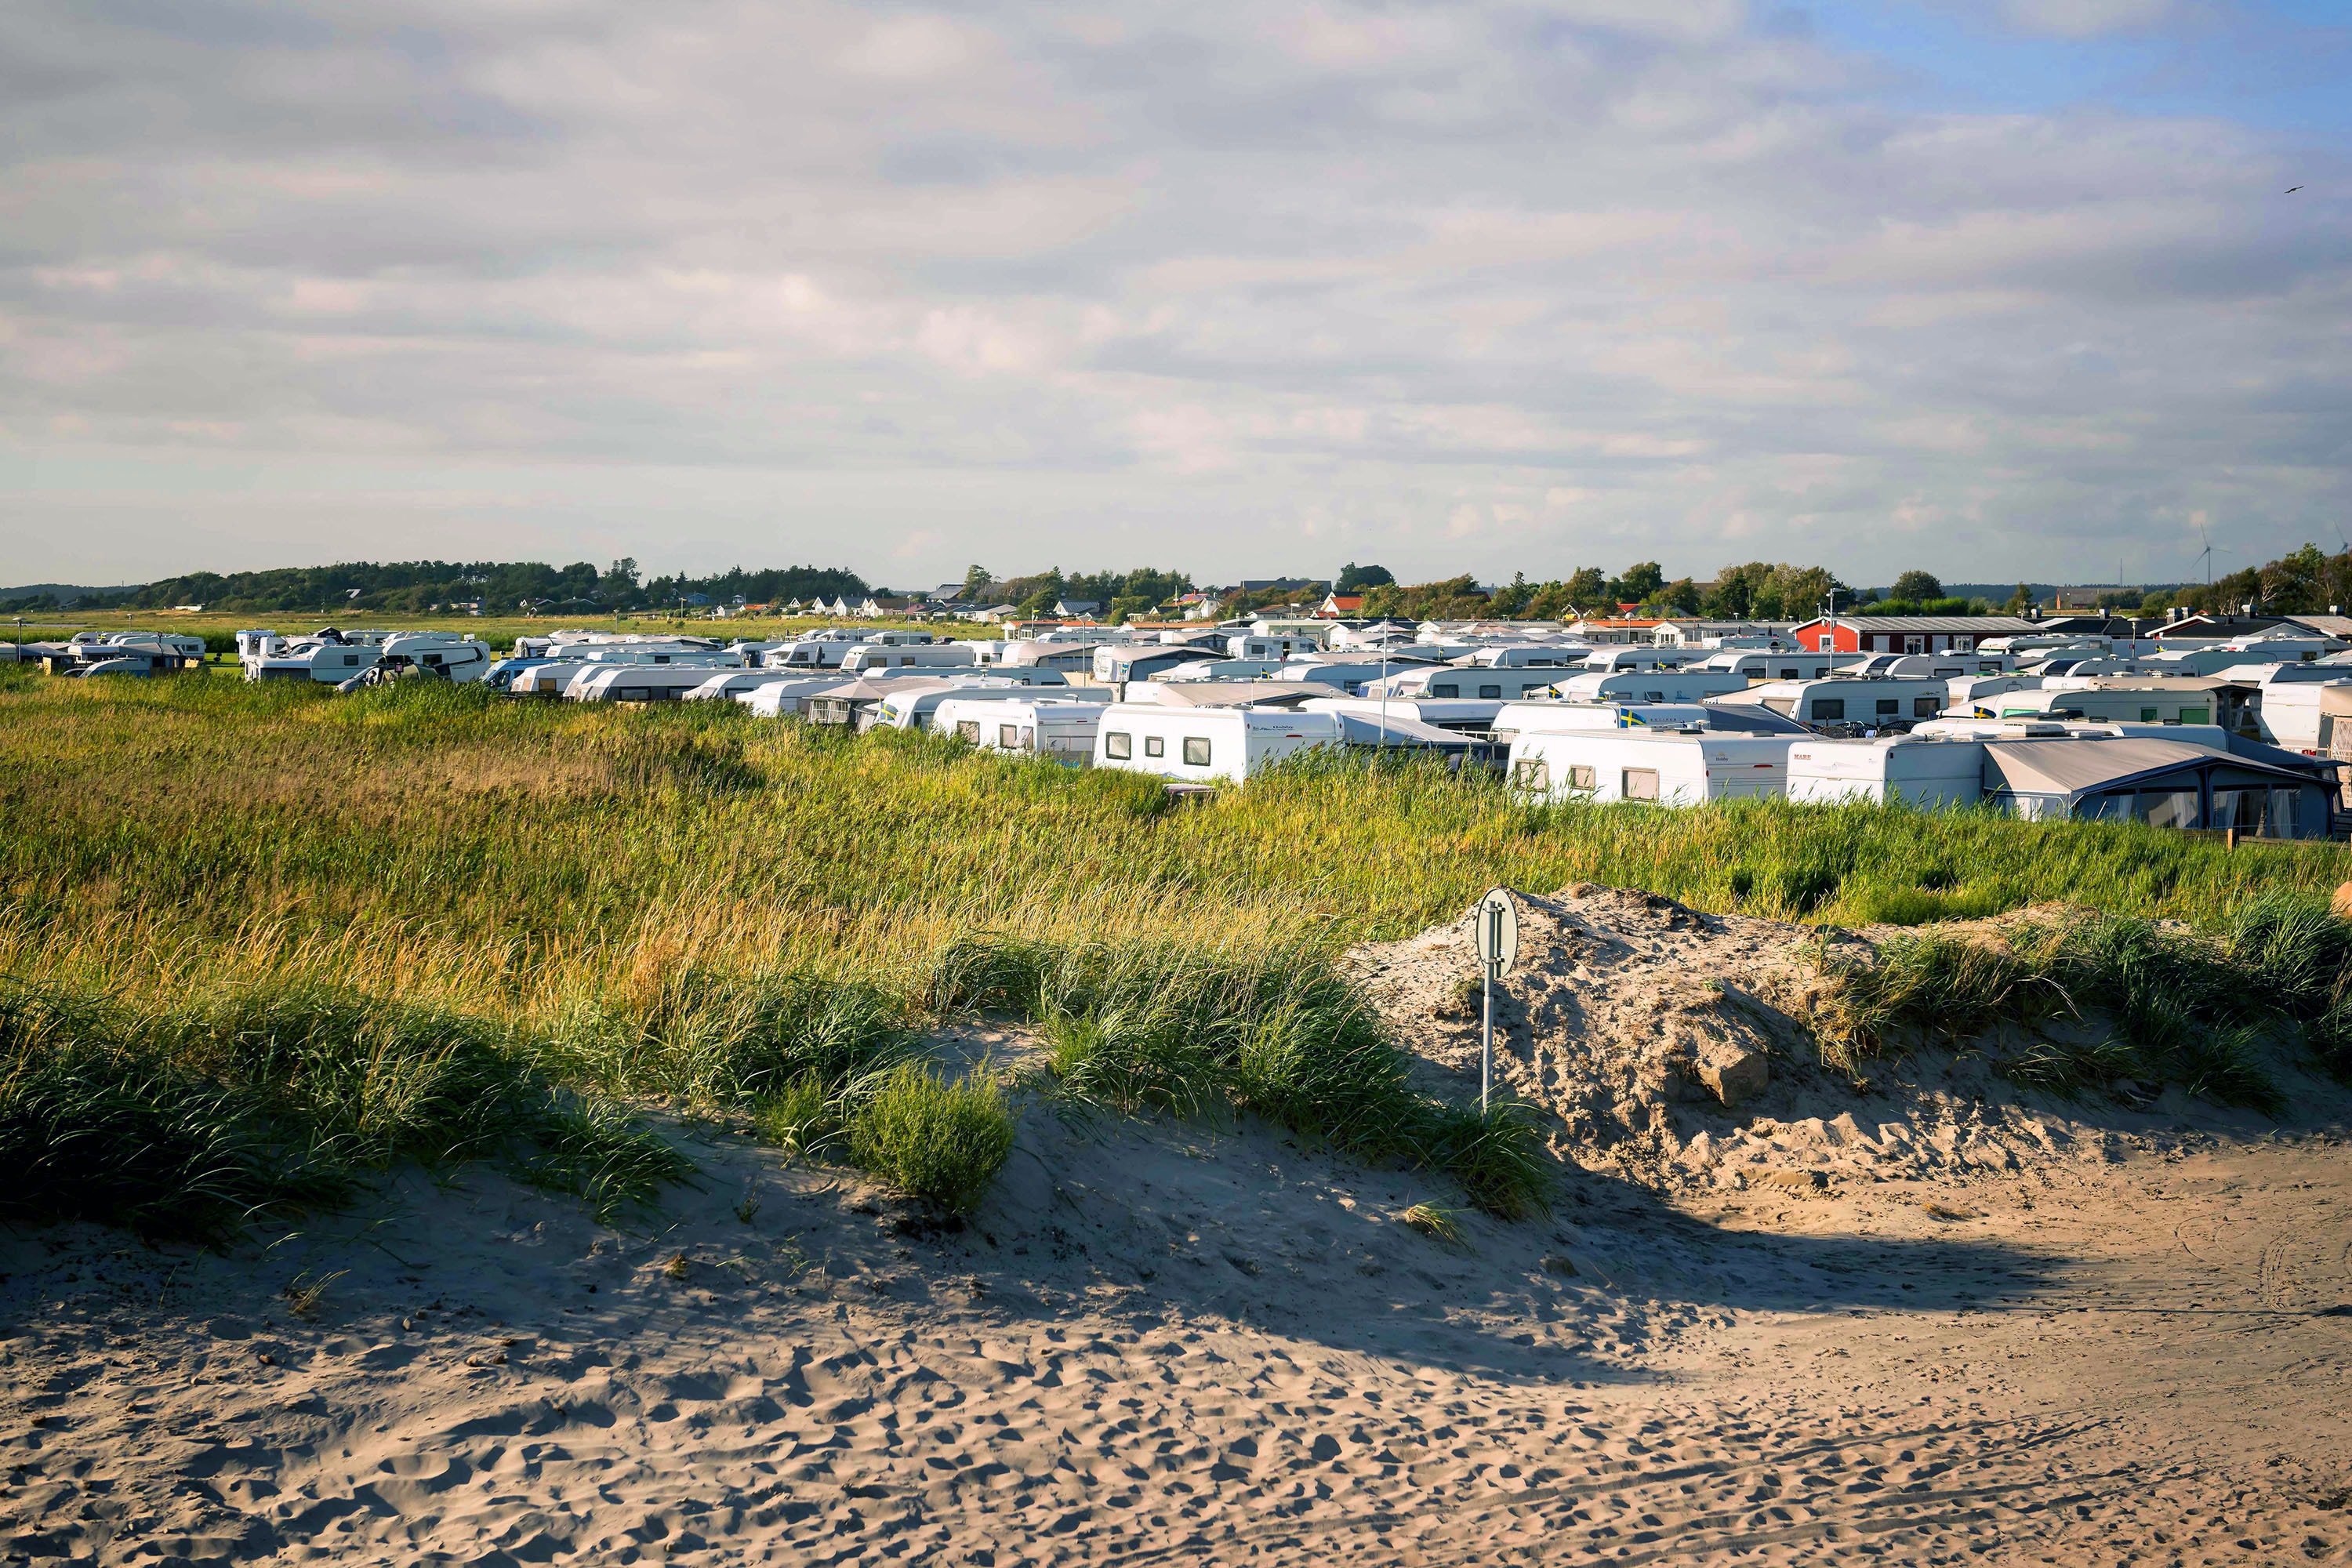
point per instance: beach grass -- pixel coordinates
(687, 904)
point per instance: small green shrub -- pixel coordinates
(931, 1137)
(801, 1117)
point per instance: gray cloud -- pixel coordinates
(1239, 287)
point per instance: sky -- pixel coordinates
(1998, 288)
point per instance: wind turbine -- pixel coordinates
(2206, 555)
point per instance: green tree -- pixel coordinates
(1916, 586)
(976, 584)
(1681, 597)
(1587, 588)
(2021, 601)
(1355, 579)
(1513, 596)
(2296, 584)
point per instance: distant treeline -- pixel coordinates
(498, 586)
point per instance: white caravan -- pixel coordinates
(635, 683)
(1058, 729)
(1668, 767)
(1207, 745)
(1477, 685)
(732, 685)
(458, 658)
(1658, 685)
(1464, 717)
(875, 659)
(916, 710)
(1904, 769)
(1636, 656)
(2149, 702)
(786, 697)
(1756, 665)
(1844, 702)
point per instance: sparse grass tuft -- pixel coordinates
(1438, 1225)
(931, 1138)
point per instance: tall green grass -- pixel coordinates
(2152, 1002)
(685, 903)
(1274, 1032)
(188, 1119)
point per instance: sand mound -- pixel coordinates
(1674, 1048)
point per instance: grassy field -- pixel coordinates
(686, 902)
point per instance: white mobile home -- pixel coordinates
(1056, 728)
(1146, 661)
(1923, 773)
(1207, 745)
(1670, 768)
(1843, 702)
(733, 685)
(787, 697)
(1567, 718)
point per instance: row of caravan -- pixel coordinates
(2196, 778)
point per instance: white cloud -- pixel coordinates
(2085, 18)
(1472, 286)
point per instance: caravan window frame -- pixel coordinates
(1630, 781)
(1197, 752)
(1155, 745)
(1118, 746)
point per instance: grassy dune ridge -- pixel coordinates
(604, 887)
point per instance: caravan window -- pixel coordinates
(1153, 746)
(1490, 691)
(967, 729)
(1640, 784)
(2147, 715)
(1027, 740)
(2196, 716)
(1532, 774)
(350, 660)
(1009, 736)
(1196, 751)
(1829, 708)
(1923, 707)
(1654, 697)
(1118, 746)
(1582, 778)
(2167, 807)
(1450, 690)
(1889, 706)
(1788, 675)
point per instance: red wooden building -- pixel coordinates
(1907, 633)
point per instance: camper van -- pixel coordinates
(1637, 656)
(785, 697)
(1207, 745)
(1840, 701)
(1056, 728)
(1667, 767)
(1887, 770)
(1657, 685)
(810, 653)
(875, 657)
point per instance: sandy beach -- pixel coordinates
(2061, 1332)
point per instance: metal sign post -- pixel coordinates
(1495, 926)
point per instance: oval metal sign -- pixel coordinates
(1495, 926)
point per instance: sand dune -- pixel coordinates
(2127, 1340)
